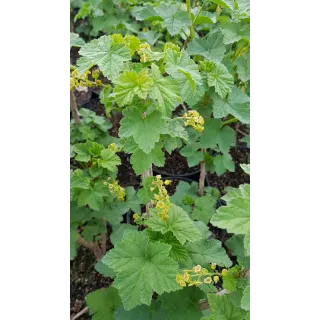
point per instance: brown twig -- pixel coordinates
(80, 313)
(184, 107)
(104, 244)
(202, 175)
(74, 108)
(94, 246)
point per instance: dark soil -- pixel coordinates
(126, 175)
(83, 280)
(176, 164)
(232, 179)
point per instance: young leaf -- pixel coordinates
(109, 160)
(165, 90)
(221, 79)
(130, 84)
(178, 223)
(243, 67)
(236, 104)
(102, 303)
(211, 48)
(118, 232)
(93, 197)
(75, 40)
(82, 151)
(145, 130)
(142, 267)
(109, 57)
(184, 70)
(103, 269)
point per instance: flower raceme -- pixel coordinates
(197, 272)
(194, 120)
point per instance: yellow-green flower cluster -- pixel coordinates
(115, 188)
(194, 119)
(83, 81)
(198, 275)
(162, 199)
(143, 52)
(137, 219)
(113, 147)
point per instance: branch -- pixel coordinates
(94, 246)
(74, 108)
(202, 175)
(80, 313)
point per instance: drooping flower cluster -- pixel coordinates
(162, 200)
(83, 80)
(194, 119)
(115, 188)
(198, 275)
(143, 52)
(113, 147)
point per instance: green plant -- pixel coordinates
(167, 250)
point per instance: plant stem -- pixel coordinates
(196, 17)
(80, 313)
(202, 175)
(148, 173)
(229, 121)
(188, 3)
(74, 108)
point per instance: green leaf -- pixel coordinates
(205, 252)
(245, 301)
(235, 216)
(132, 200)
(236, 104)
(79, 181)
(178, 252)
(236, 245)
(95, 149)
(82, 151)
(165, 91)
(93, 197)
(104, 270)
(178, 223)
(233, 32)
(205, 17)
(221, 79)
(194, 157)
(130, 84)
(183, 304)
(154, 312)
(245, 168)
(184, 70)
(117, 233)
(215, 134)
(102, 303)
(141, 161)
(151, 36)
(109, 160)
(145, 130)
(222, 163)
(211, 48)
(176, 130)
(95, 171)
(109, 57)
(204, 208)
(243, 67)
(223, 309)
(142, 267)
(75, 40)
(229, 4)
(112, 212)
(145, 13)
(246, 243)
(174, 18)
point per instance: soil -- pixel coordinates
(176, 164)
(126, 175)
(232, 179)
(83, 280)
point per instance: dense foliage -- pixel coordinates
(179, 75)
